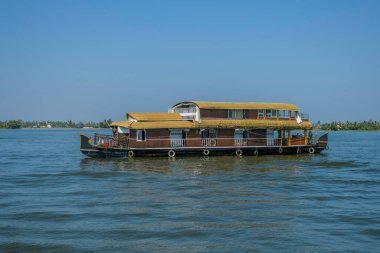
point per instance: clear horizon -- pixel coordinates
(95, 60)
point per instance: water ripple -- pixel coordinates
(56, 200)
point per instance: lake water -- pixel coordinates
(53, 199)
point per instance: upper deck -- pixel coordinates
(199, 111)
(196, 115)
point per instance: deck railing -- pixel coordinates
(240, 142)
(109, 141)
(304, 116)
(206, 142)
(176, 143)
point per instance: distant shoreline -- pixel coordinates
(16, 124)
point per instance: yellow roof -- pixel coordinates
(246, 105)
(154, 124)
(256, 124)
(154, 116)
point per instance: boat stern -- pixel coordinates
(322, 142)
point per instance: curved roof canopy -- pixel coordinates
(246, 105)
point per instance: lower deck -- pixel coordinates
(192, 138)
(201, 142)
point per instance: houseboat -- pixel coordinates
(207, 129)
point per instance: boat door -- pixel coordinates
(238, 136)
(204, 137)
(270, 137)
(208, 137)
(177, 138)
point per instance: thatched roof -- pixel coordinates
(246, 105)
(154, 116)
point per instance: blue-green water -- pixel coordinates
(53, 199)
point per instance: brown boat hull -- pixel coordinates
(93, 151)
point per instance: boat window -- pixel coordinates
(212, 133)
(241, 134)
(185, 109)
(122, 130)
(292, 114)
(140, 135)
(236, 114)
(274, 113)
(283, 114)
(209, 133)
(268, 113)
(260, 114)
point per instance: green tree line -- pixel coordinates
(15, 124)
(369, 125)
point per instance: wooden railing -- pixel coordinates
(304, 116)
(107, 141)
(176, 143)
(206, 142)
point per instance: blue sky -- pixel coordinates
(90, 60)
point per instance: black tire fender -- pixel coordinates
(131, 153)
(171, 153)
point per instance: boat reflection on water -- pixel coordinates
(199, 165)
